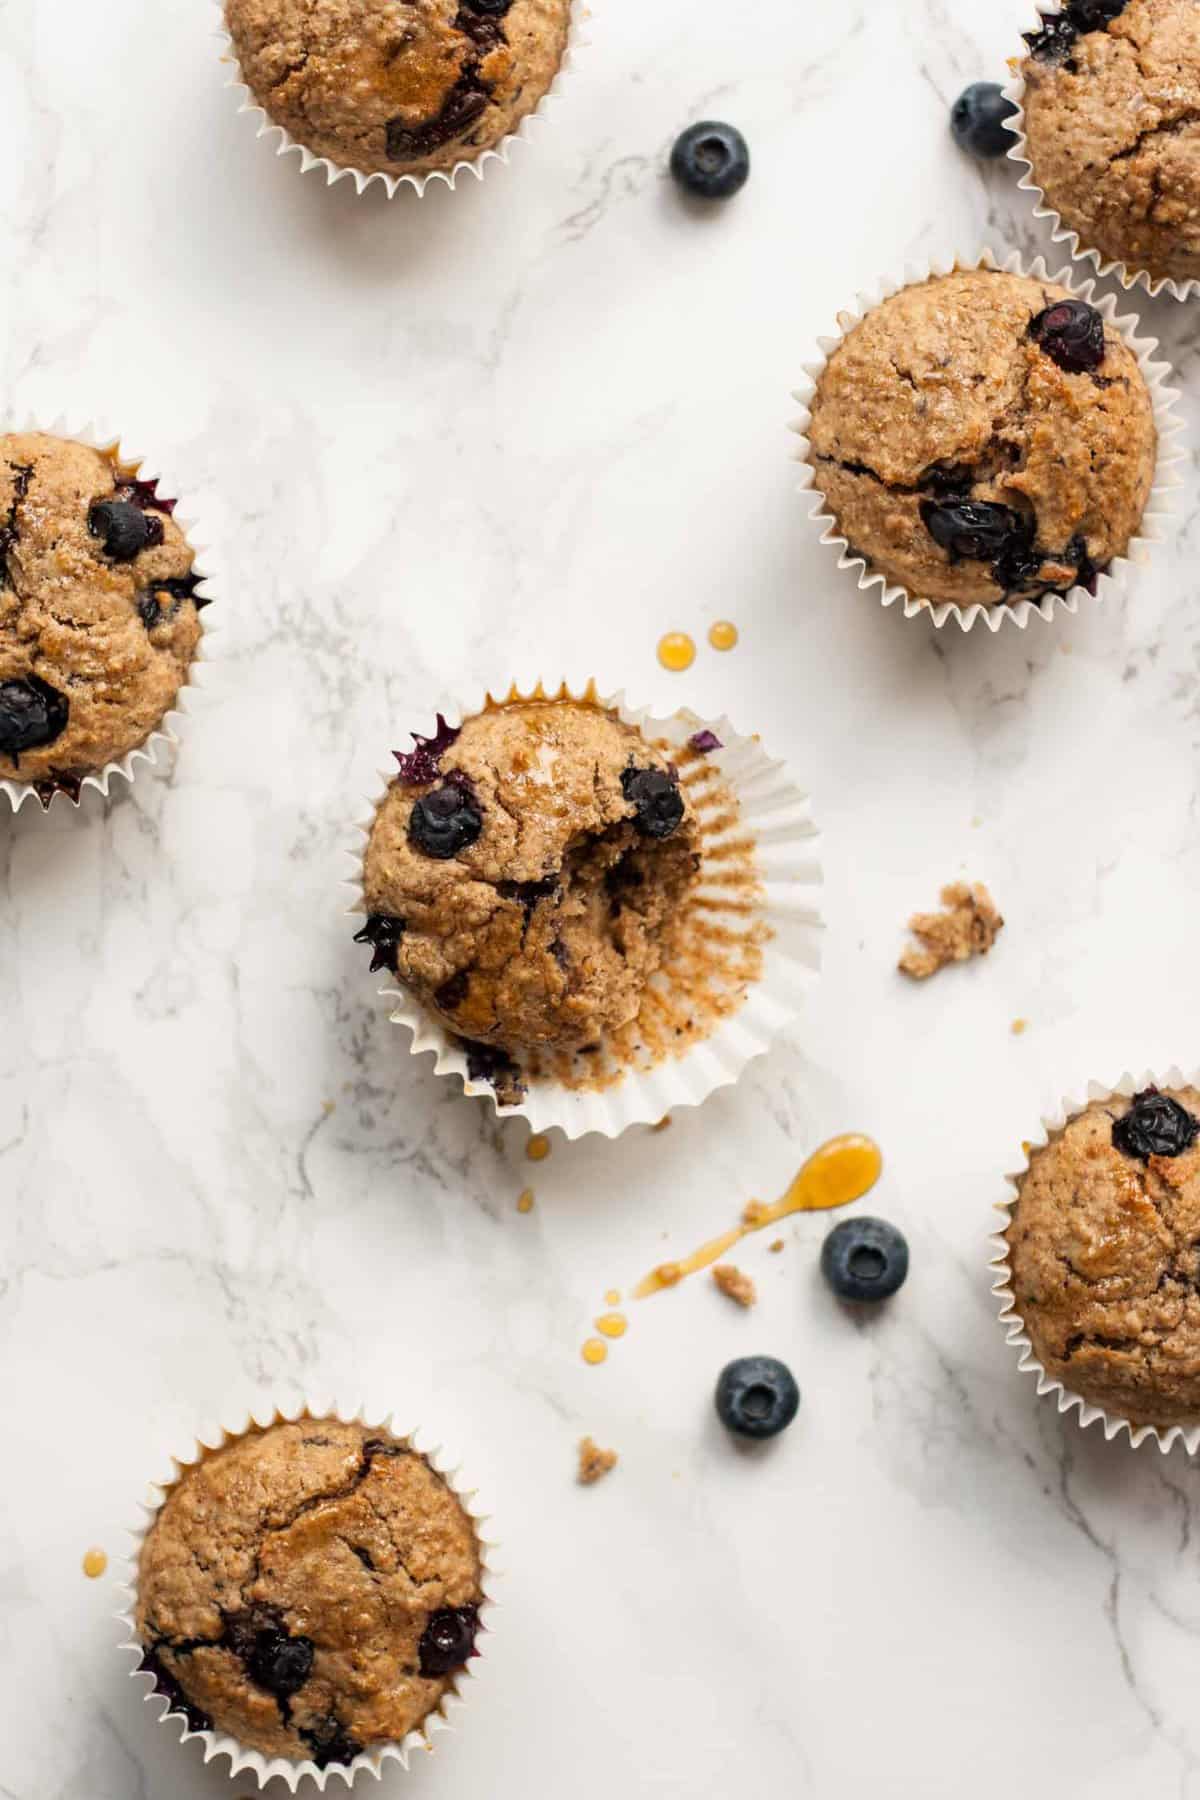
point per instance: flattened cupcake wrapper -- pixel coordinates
(219, 1743)
(166, 734)
(1063, 234)
(772, 841)
(1065, 1399)
(392, 184)
(1159, 501)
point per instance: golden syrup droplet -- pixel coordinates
(525, 1201)
(94, 1564)
(723, 635)
(594, 1351)
(538, 1147)
(1019, 1027)
(612, 1325)
(676, 651)
(612, 1296)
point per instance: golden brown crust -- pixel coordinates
(498, 962)
(1106, 1270)
(944, 376)
(69, 614)
(332, 1533)
(398, 86)
(1114, 136)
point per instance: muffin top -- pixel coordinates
(398, 86)
(98, 610)
(984, 437)
(310, 1589)
(1104, 1246)
(1112, 120)
(519, 871)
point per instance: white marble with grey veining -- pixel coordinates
(530, 425)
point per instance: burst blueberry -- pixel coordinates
(864, 1259)
(445, 822)
(757, 1396)
(279, 1663)
(448, 1639)
(979, 120)
(657, 799)
(125, 529)
(383, 933)
(710, 160)
(32, 713)
(1155, 1125)
(1071, 333)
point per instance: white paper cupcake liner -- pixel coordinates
(1065, 1399)
(774, 815)
(1159, 502)
(167, 733)
(392, 184)
(219, 1743)
(1064, 234)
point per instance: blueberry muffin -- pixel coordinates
(519, 873)
(311, 1589)
(1104, 1249)
(99, 614)
(983, 437)
(1112, 122)
(398, 87)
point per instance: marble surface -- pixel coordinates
(530, 425)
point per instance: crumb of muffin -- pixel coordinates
(733, 1283)
(594, 1463)
(967, 927)
(776, 1247)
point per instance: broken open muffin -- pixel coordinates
(1104, 1258)
(311, 1589)
(98, 610)
(982, 437)
(519, 873)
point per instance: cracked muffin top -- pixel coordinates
(398, 86)
(1104, 1247)
(98, 610)
(310, 1589)
(1112, 121)
(983, 437)
(519, 872)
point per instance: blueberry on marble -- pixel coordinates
(710, 160)
(1071, 333)
(125, 529)
(864, 1259)
(979, 119)
(756, 1396)
(448, 1639)
(445, 822)
(32, 713)
(1155, 1125)
(656, 797)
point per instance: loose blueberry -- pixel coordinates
(383, 933)
(1155, 1125)
(864, 1259)
(32, 713)
(444, 822)
(657, 798)
(979, 119)
(1071, 333)
(710, 160)
(125, 528)
(756, 1396)
(280, 1663)
(448, 1639)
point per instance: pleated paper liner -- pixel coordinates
(1064, 234)
(739, 956)
(1159, 503)
(157, 745)
(392, 184)
(219, 1744)
(1064, 1398)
